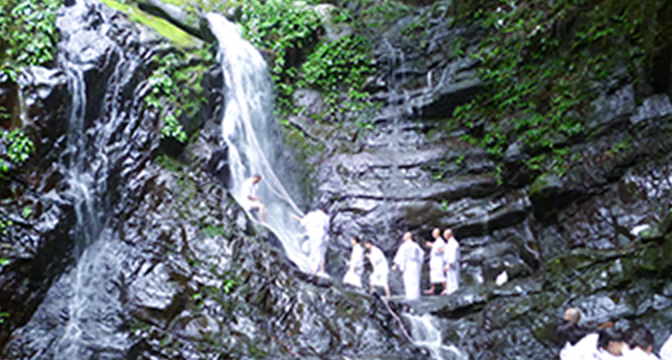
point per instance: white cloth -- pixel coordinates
(248, 189)
(380, 267)
(409, 260)
(638, 354)
(666, 349)
(600, 354)
(566, 352)
(451, 256)
(316, 225)
(354, 274)
(436, 264)
(584, 349)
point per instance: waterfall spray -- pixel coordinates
(250, 131)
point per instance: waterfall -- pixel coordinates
(81, 316)
(93, 306)
(425, 335)
(253, 136)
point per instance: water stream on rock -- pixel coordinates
(423, 332)
(81, 316)
(252, 135)
(427, 336)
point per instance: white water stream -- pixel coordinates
(253, 136)
(425, 334)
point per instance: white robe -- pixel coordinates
(584, 349)
(638, 354)
(316, 225)
(601, 354)
(451, 257)
(248, 189)
(666, 349)
(436, 264)
(380, 267)
(409, 260)
(354, 274)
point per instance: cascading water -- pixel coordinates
(422, 327)
(81, 316)
(252, 135)
(426, 335)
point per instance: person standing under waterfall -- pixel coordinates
(251, 201)
(316, 225)
(409, 260)
(380, 268)
(436, 273)
(451, 259)
(354, 274)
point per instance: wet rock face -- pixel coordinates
(35, 218)
(184, 275)
(174, 271)
(570, 241)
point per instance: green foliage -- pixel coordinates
(228, 285)
(339, 68)
(28, 35)
(3, 316)
(5, 225)
(300, 56)
(17, 148)
(373, 16)
(543, 62)
(176, 92)
(281, 29)
(27, 211)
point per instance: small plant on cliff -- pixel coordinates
(176, 92)
(15, 148)
(3, 316)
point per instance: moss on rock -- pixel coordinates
(162, 26)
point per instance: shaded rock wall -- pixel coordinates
(562, 240)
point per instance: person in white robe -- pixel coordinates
(316, 226)
(584, 349)
(409, 260)
(251, 201)
(354, 274)
(610, 345)
(666, 350)
(640, 342)
(437, 274)
(381, 268)
(451, 259)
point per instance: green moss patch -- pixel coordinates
(162, 26)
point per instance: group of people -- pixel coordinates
(444, 252)
(443, 264)
(606, 342)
